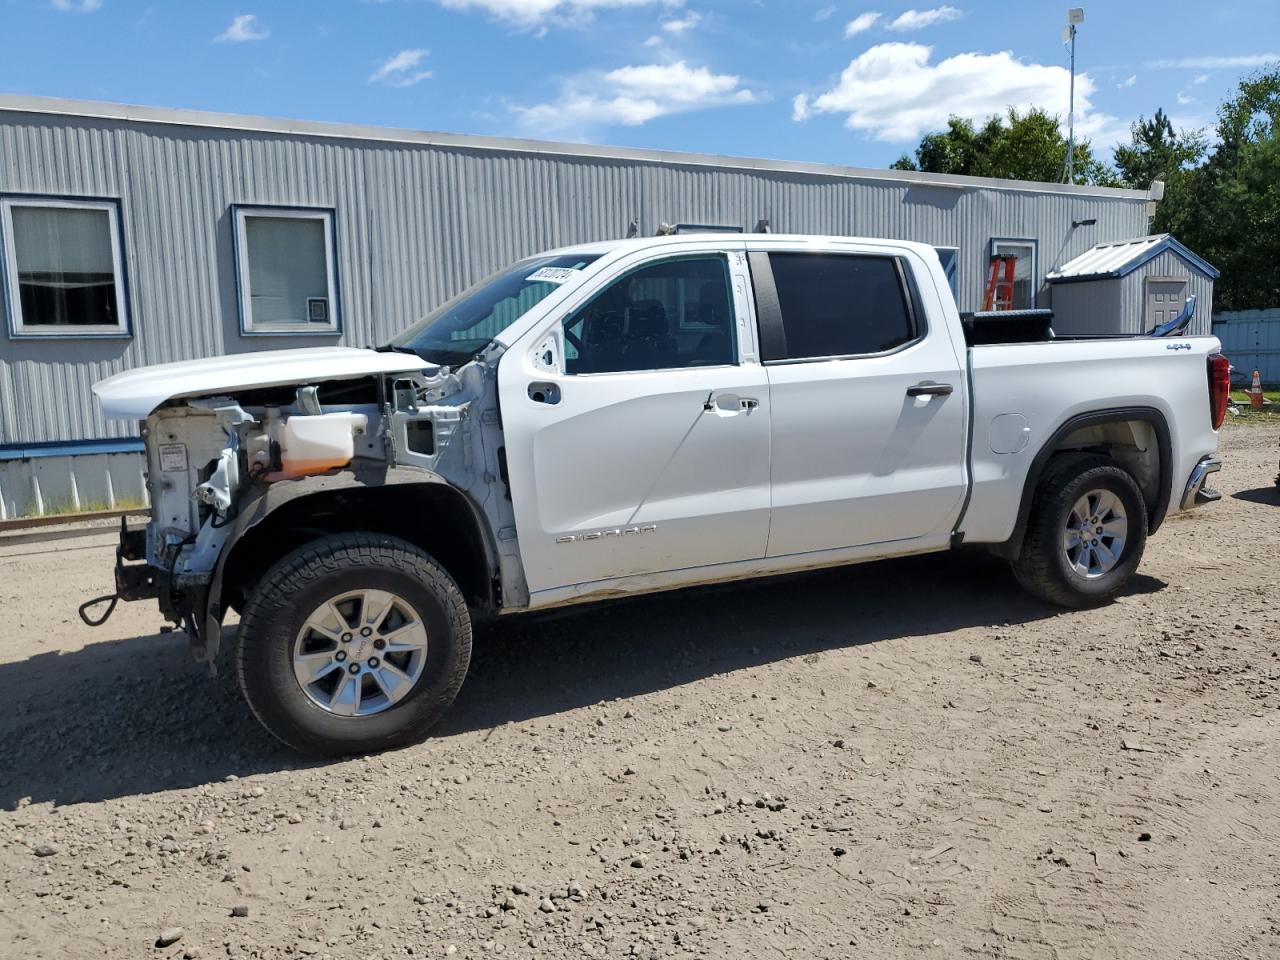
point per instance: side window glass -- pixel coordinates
(676, 313)
(839, 305)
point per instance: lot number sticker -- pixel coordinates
(173, 457)
(551, 275)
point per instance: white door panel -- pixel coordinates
(630, 474)
(858, 461)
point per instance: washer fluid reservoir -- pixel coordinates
(315, 444)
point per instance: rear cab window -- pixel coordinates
(832, 305)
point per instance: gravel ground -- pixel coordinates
(905, 758)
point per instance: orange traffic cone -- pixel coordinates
(1255, 390)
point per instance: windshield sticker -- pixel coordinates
(551, 275)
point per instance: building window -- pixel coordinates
(949, 257)
(837, 305)
(1022, 296)
(63, 267)
(285, 270)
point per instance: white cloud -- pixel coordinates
(402, 69)
(1217, 63)
(529, 14)
(1200, 78)
(1185, 99)
(825, 13)
(894, 93)
(682, 24)
(77, 6)
(654, 41)
(244, 28)
(919, 19)
(1128, 81)
(863, 21)
(631, 96)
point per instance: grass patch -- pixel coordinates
(1239, 396)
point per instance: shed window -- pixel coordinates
(1023, 294)
(285, 269)
(63, 267)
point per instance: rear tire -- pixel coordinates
(1086, 533)
(353, 643)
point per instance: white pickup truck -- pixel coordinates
(634, 416)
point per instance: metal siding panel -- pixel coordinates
(1251, 341)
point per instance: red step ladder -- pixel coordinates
(999, 293)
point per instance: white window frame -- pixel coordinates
(302, 327)
(19, 329)
(993, 250)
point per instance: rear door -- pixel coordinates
(867, 401)
(637, 423)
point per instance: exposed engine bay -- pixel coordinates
(216, 465)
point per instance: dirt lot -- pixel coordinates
(906, 758)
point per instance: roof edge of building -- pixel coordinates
(131, 113)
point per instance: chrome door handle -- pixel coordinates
(927, 388)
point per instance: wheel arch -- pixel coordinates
(1104, 430)
(414, 505)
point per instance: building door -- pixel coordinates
(1165, 298)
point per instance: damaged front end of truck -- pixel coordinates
(249, 457)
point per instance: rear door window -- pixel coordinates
(838, 305)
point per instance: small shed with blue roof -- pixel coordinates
(1131, 286)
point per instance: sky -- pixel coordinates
(843, 82)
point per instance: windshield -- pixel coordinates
(455, 332)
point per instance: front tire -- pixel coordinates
(353, 643)
(1086, 533)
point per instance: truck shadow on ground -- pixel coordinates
(135, 716)
(1268, 494)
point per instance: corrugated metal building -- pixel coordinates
(1251, 341)
(138, 235)
(1137, 284)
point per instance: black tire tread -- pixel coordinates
(1036, 568)
(330, 555)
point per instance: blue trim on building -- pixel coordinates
(73, 448)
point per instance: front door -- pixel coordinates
(1165, 299)
(868, 402)
(644, 446)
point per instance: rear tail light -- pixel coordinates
(1219, 388)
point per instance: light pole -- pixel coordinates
(1075, 16)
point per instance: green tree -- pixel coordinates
(1156, 152)
(1228, 208)
(1019, 146)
